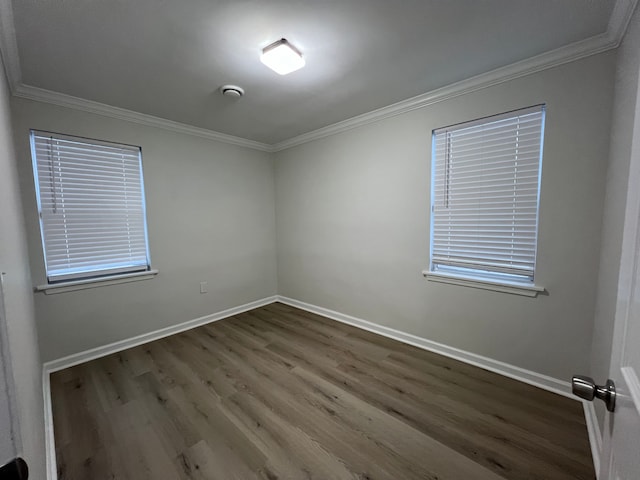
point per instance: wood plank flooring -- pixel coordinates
(278, 393)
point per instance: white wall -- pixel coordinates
(210, 212)
(622, 123)
(353, 224)
(20, 323)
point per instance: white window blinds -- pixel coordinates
(485, 195)
(91, 204)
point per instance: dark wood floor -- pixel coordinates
(278, 393)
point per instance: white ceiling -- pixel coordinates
(167, 58)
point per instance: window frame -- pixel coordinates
(96, 276)
(476, 277)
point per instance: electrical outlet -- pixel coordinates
(203, 287)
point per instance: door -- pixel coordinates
(621, 436)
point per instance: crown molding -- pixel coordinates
(618, 22)
(620, 18)
(9, 45)
(63, 100)
(609, 40)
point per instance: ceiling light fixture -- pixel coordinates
(282, 57)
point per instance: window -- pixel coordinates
(91, 203)
(485, 196)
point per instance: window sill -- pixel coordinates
(505, 287)
(95, 282)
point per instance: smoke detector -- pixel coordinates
(232, 91)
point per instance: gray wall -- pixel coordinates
(353, 224)
(352, 227)
(626, 87)
(20, 328)
(210, 212)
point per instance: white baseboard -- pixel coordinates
(69, 361)
(527, 376)
(102, 351)
(595, 434)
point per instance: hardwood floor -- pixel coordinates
(278, 393)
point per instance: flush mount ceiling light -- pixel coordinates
(282, 57)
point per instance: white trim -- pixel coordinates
(527, 376)
(560, 56)
(617, 27)
(514, 288)
(9, 45)
(92, 354)
(633, 385)
(76, 103)
(532, 378)
(618, 22)
(72, 286)
(539, 380)
(595, 434)
(49, 438)
(620, 18)
(69, 361)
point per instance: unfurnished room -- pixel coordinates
(289, 240)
